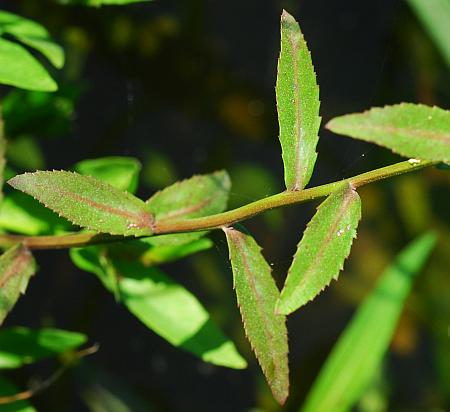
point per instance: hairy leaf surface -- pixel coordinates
(163, 305)
(298, 105)
(119, 171)
(411, 130)
(16, 267)
(87, 202)
(323, 249)
(20, 346)
(361, 347)
(256, 295)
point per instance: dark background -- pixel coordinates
(188, 87)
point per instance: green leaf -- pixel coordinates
(87, 202)
(20, 346)
(16, 267)
(435, 15)
(164, 306)
(257, 294)
(298, 105)
(198, 196)
(323, 249)
(411, 130)
(98, 3)
(32, 34)
(120, 172)
(24, 152)
(9, 389)
(361, 347)
(2, 155)
(19, 68)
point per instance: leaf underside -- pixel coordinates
(360, 349)
(323, 249)
(87, 202)
(17, 265)
(298, 105)
(256, 295)
(411, 130)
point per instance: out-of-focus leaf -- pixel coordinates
(257, 294)
(360, 349)
(98, 3)
(323, 249)
(19, 68)
(198, 196)
(159, 170)
(120, 172)
(20, 345)
(16, 267)
(25, 153)
(32, 34)
(435, 15)
(412, 130)
(2, 155)
(164, 306)
(298, 105)
(22, 214)
(87, 202)
(8, 389)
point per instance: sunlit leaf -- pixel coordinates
(435, 15)
(360, 349)
(19, 68)
(120, 172)
(20, 345)
(9, 389)
(298, 105)
(87, 202)
(323, 249)
(16, 267)
(164, 306)
(411, 130)
(257, 294)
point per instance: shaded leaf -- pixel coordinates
(411, 130)
(32, 34)
(119, 171)
(361, 347)
(2, 155)
(323, 249)
(97, 3)
(257, 294)
(298, 105)
(19, 68)
(16, 267)
(87, 202)
(164, 306)
(20, 345)
(435, 15)
(8, 389)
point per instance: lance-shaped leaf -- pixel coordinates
(87, 202)
(20, 346)
(361, 347)
(298, 105)
(411, 130)
(257, 294)
(161, 304)
(16, 267)
(198, 196)
(323, 249)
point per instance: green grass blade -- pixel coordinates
(411, 130)
(323, 249)
(256, 295)
(21, 346)
(163, 305)
(17, 265)
(360, 349)
(435, 16)
(87, 202)
(298, 105)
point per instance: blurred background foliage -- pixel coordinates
(188, 87)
